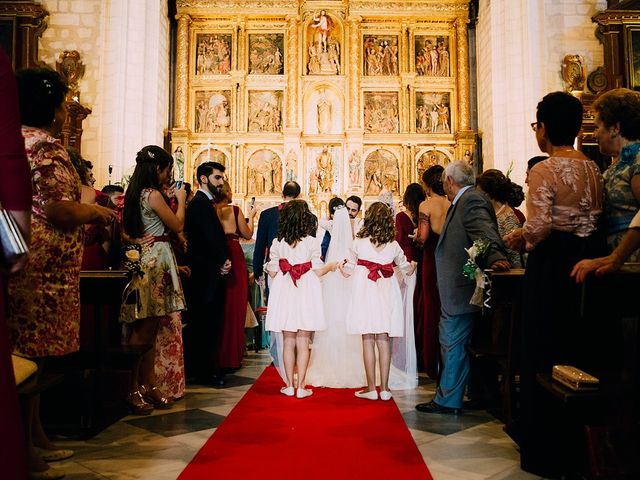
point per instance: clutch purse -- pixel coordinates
(574, 378)
(11, 240)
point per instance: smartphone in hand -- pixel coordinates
(179, 184)
(253, 201)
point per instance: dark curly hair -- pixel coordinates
(41, 92)
(499, 187)
(561, 114)
(620, 105)
(413, 196)
(296, 222)
(148, 161)
(378, 224)
(432, 178)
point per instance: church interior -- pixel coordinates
(346, 98)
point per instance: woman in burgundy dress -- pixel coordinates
(237, 281)
(407, 222)
(15, 196)
(432, 214)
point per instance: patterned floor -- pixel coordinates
(467, 447)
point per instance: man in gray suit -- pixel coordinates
(470, 217)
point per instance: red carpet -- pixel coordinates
(330, 435)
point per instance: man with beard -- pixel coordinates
(208, 260)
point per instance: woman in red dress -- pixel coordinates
(237, 281)
(432, 213)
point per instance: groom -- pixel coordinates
(470, 217)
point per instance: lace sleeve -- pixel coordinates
(542, 192)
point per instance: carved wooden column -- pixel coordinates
(354, 72)
(463, 73)
(182, 71)
(292, 71)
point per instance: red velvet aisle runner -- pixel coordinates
(330, 435)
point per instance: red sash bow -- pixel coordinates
(376, 270)
(296, 271)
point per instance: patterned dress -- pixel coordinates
(44, 298)
(159, 294)
(619, 203)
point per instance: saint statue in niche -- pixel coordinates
(323, 48)
(291, 166)
(354, 169)
(322, 24)
(264, 173)
(324, 114)
(324, 170)
(178, 156)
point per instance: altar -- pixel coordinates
(344, 97)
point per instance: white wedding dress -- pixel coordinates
(336, 357)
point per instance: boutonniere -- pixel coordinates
(473, 271)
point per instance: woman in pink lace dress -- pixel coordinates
(564, 203)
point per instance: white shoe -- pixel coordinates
(372, 395)
(303, 393)
(385, 395)
(288, 391)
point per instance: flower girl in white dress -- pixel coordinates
(376, 308)
(295, 300)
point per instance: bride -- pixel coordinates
(336, 357)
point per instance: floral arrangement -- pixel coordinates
(473, 271)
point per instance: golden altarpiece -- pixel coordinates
(345, 97)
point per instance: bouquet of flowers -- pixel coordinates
(472, 271)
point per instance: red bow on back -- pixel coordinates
(296, 271)
(376, 270)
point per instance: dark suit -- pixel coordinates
(471, 218)
(267, 231)
(206, 253)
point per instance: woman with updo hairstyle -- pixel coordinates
(617, 124)
(44, 298)
(500, 190)
(157, 291)
(407, 222)
(431, 215)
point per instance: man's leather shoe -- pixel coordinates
(433, 407)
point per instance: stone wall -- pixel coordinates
(521, 44)
(125, 47)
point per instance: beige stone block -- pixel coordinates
(64, 33)
(63, 6)
(89, 20)
(82, 6)
(84, 32)
(66, 19)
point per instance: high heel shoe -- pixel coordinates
(138, 405)
(154, 397)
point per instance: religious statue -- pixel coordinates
(291, 166)
(354, 169)
(276, 172)
(314, 61)
(324, 170)
(322, 24)
(574, 72)
(324, 114)
(178, 156)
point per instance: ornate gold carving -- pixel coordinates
(354, 77)
(574, 72)
(463, 73)
(71, 68)
(182, 71)
(412, 6)
(244, 4)
(292, 71)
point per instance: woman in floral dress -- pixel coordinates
(155, 291)
(44, 298)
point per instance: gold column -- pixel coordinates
(463, 72)
(182, 71)
(292, 71)
(355, 71)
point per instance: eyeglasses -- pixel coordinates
(534, 126)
